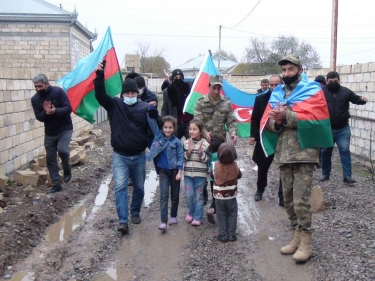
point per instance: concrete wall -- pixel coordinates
(27, 49)
(360, 78)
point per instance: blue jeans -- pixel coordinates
(342, 138)
(168, 178)
(57, 144)
(194, 196)
(123, 167)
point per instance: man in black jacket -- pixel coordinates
(338, 98)
(262, 161)
(144, 93)
(128, 122)
(52, 107)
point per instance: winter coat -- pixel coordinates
(128, 122)
(58, 122)
(338, 105)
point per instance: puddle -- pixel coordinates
(21, 276)
(102, 195)
(68, 223)
(151, 183)
(248, 213)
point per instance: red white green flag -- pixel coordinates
(313, 126)
(79, 86)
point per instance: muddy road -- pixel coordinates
(77, 237)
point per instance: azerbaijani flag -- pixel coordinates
(242, 102)
(313, 125)
(79, 86)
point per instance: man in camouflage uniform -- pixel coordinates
(296, 164)
(215, 111)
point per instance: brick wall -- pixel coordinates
(26, 50)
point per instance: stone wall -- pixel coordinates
(27, 49)
(360, 78)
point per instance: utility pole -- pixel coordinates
(335, 12)
(218, 57)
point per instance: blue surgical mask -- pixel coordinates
(130, 101)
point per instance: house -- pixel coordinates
(191, 67)
(35, 37)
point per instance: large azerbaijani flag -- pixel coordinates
(242, 102)
(79, 86)
(313, 125)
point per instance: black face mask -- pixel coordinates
(289, 80)
(42, 92)
(333, 86)
(178, 82)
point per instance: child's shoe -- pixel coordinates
(210, 215)
(173, 221)
(196, 223)
(189, 218)
(222, 238)
(163, 226)
(232, 238)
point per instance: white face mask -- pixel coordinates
(140, 92)
(130, 101)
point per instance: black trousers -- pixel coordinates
(262, 182)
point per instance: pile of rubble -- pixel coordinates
(37, 173)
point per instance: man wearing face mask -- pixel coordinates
(295, 151)
(338, 98)
(144, 93)
(128, 122)
(174, 97)
(52, 107)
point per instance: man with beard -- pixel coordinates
(174, 97)
(295, 151)
(259, 157)
(52, 107)
(338, 98)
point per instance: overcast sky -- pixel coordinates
(186, 29)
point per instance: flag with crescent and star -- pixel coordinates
(242, 102)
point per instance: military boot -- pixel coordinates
(292, 247)
(304, 250)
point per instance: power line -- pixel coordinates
(247, 15)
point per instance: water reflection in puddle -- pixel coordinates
(67, 224)
(21, 276)
(151, 184)
(248, 214)
(102, 196)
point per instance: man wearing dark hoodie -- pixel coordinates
(225, 174)
(129, 125)
(144, 93)
(174, 97)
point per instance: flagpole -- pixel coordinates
(218, 58)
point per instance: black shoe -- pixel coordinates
(348, 180)
(123, 228)
(136, 219)
(55, 188)
(222, 239)
(232, 238)
(324, 178)
(281, 202)
(67, 175)
(258, 196)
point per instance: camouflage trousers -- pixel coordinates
(297, 180)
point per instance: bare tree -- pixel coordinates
(229, 55)
(258, 51)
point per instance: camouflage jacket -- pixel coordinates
(288, 148)
(216, 116)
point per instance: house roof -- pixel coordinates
(195, 64)
(38, 11)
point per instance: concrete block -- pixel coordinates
(3, 181)
(83, 139)
(24, 177)
(99, 141)
(317, 200)
(89, 145)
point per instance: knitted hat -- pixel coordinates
(132, 75)
(140, 82)
(177, 72)
(320, 79)
(129, 85)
